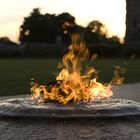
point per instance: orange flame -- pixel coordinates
(71, 83)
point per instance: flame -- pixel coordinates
(72, 84)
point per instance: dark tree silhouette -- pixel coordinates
(40, 28)
(97, 27)
(37, 28)
(95, 32)
(45, 28)
(65, 24)
(6, 41)
(114, 40)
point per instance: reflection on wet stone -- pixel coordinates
(25, 107)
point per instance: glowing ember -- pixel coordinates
(72, 84)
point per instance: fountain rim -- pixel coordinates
(13, 108)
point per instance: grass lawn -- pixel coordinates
(15, 74)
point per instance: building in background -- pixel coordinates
(132, 37)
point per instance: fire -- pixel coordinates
(72, 84)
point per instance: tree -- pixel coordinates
(6, 41)
(97, 27)
(114, 40)
(95, 32)
(46, 28)
(38, 28)
(65, 24)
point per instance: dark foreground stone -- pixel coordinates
(70, 129)
(120, 120)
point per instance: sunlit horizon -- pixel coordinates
(110, 12)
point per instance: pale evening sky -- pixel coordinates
(110, 12)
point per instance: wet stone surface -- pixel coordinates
(25, 107)
(120, 120)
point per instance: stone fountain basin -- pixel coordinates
(125, 127)
(24, 107)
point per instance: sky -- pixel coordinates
(110, 12)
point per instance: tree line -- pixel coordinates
(47, 29)
(41, 28)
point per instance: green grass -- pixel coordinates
(15, 74)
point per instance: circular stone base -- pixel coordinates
(25, 107)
